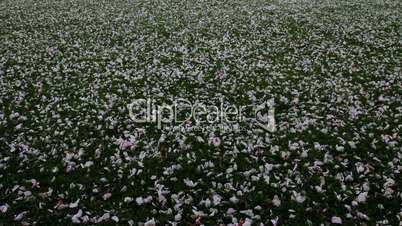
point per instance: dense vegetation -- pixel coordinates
(69, 152)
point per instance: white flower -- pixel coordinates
(115, 219)
(84, 219)
(107, 196)
(234, 199)
(147, 199)
(317, 146)
(360, 167)
(389, 183)
(4, 208)
(35, 183)
(177, 217)
(362, 197)
(199, 213)
(150, 223)
(27, 193)
(362, 216)
(139, 201)
(275, 221)
(248, 222)
(125, 144)
(352, 144)
(276, 201)
(216, 141)
(190, 183)
(60, 205)
(339, 148)
(216, 199)
(298, 197)
(76, 218)
(207, 203)
(230, 211)
(128, 199)
(336, 220)
(249, 212)
(74, 204)
(366, 186)
(88, 164)
(19, 216)
(105, 216)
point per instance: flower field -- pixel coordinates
(70, 153)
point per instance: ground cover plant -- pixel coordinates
(71, 154)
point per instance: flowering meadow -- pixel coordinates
(70, 154)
